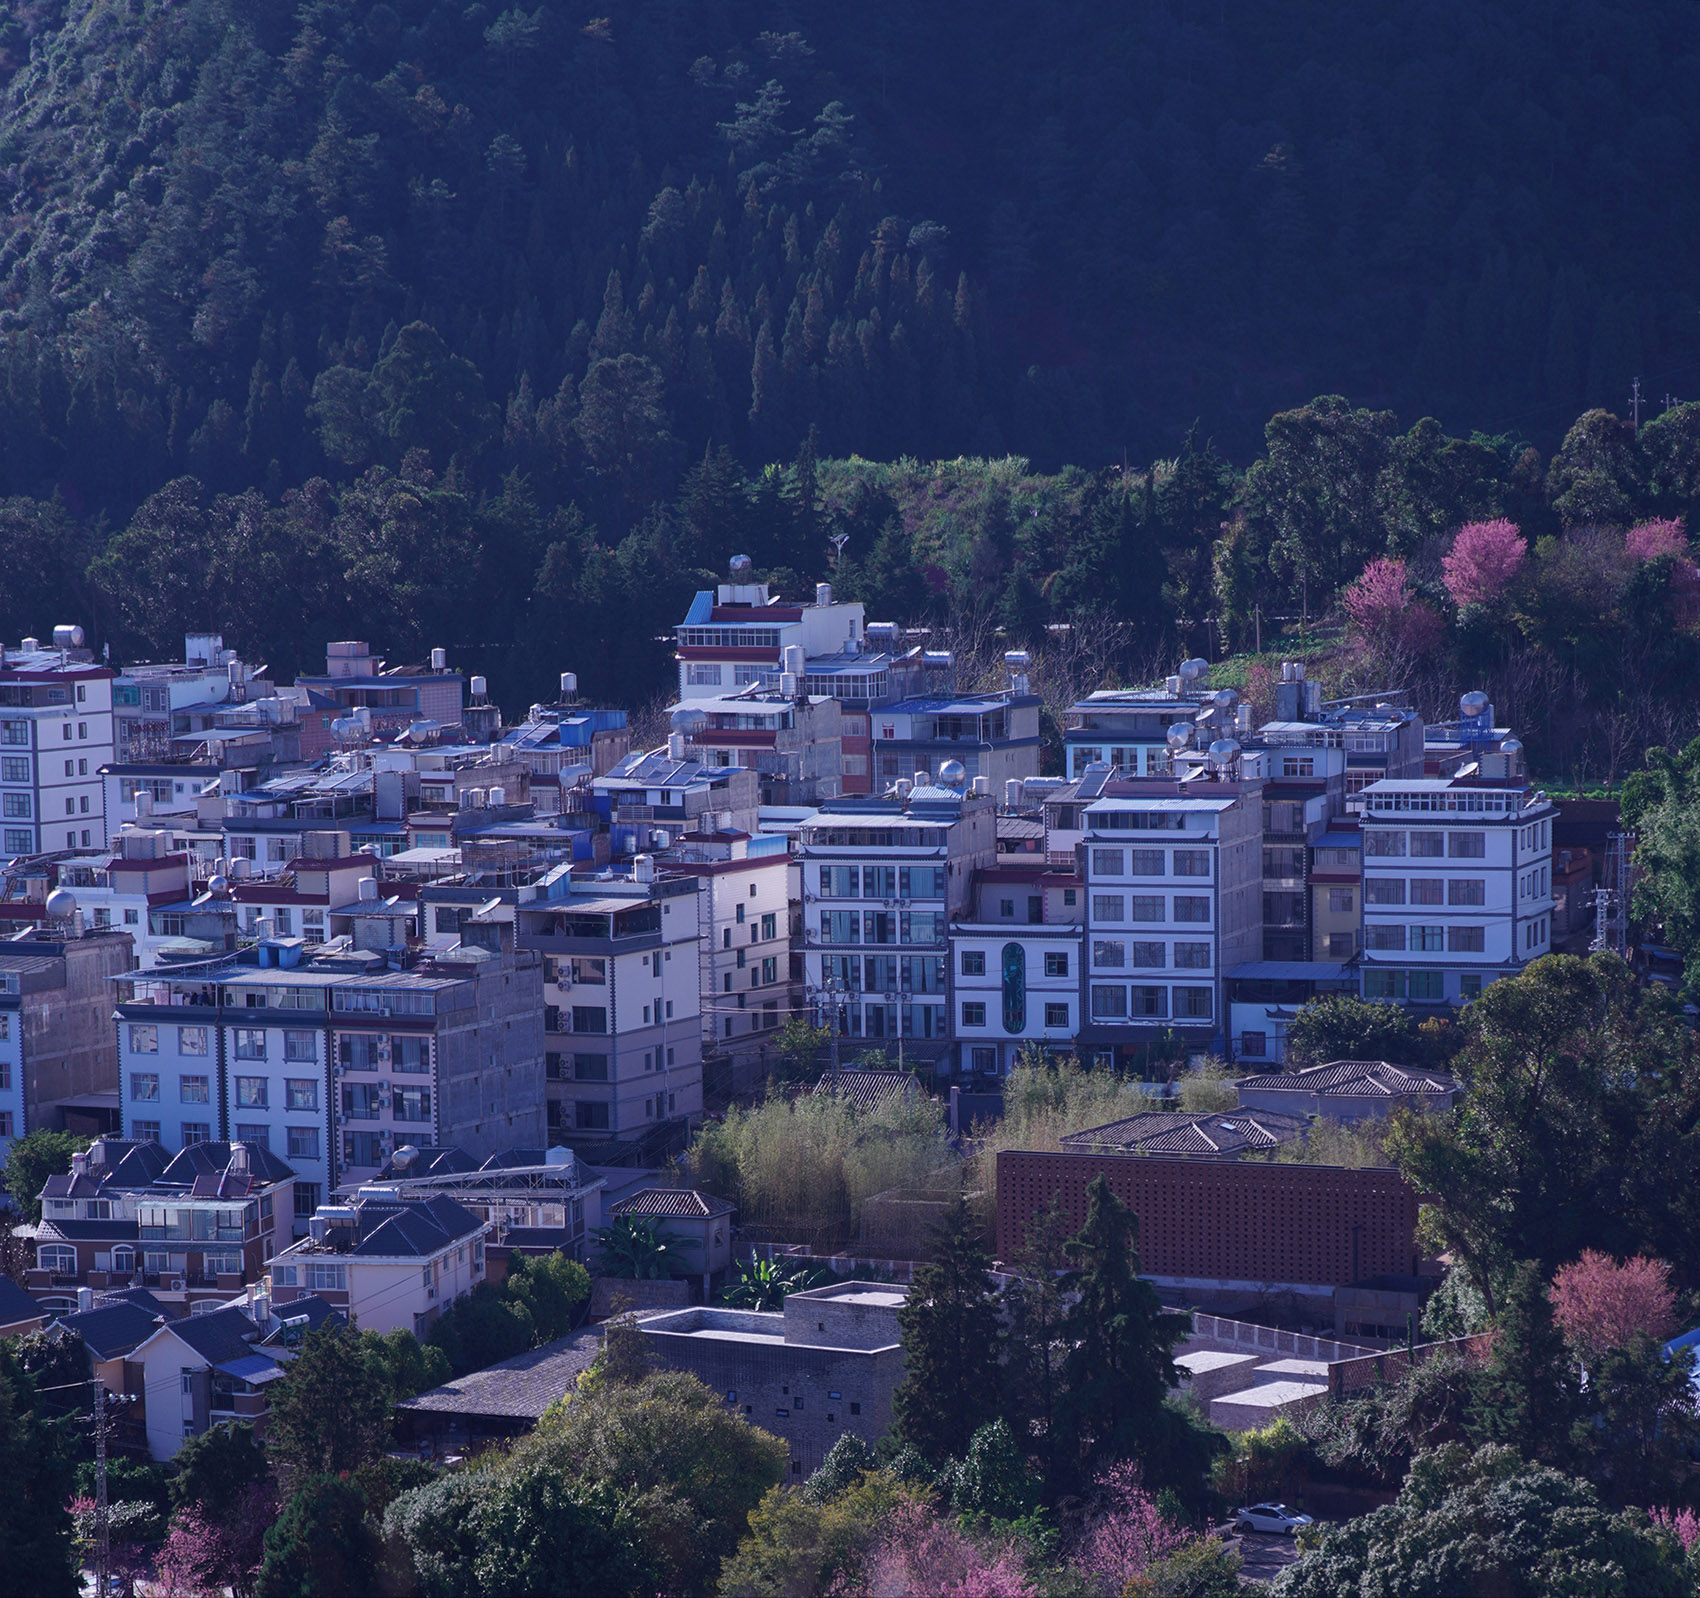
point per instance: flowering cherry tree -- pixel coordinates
(1650, 540)
(1125, 1531)
(1601, 1304)
(923, 1553)
(1684, 1525)
(1387, 615)
(1484, 557)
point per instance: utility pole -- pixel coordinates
(102, 1541)
(1635, 402)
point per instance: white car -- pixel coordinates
(1270, 1517)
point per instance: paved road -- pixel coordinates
(1263, 1555)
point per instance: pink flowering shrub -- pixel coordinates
(1484, 557)
(1125, 1532)
(1651, 540)
(202, 1557)
(1601, 1304)
(924, 1554)
(1684, 1524)
(1386, 614)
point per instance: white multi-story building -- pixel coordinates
(736, 635)
(1457, 885)
(1174, 884)
(55, 735)
(882, 881)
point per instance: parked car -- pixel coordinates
(1270, 1517)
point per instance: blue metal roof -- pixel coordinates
(702, 607)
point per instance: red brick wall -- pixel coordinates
(1226, 1219)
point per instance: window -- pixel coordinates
(446, 918)
(1428, 845)
(19, 840)
(192, 1040)
(1107, 862)
(973, 1013)
(14, 768)
(590, 1018)
(1150, 956)
(1377, 936)
(251, 1092)
(1193, 956)
(300, 1093)
(254, 1132)
(1386, 845)
(1384, 890)
(701, 674)
(1109, 907)
(145, 1131)
(144, 1039)
(1379, 984)
(1340, 901)
(1192, 1004)
(1192, 862)
(412, 1104)
(306, 1200)
(769, 926)
(1427, 940)
(1254, 1043)
(1109, 1003)
(1466, 845)
(1466, 890)
(1006, 908)
(1056, 1015)
(594, 1067)
(144, 1087)
(1056, 962)
(319, 1276)
(15, 732)
(1427, 987)
(1069, 897)
(59, 1258)
(360, 1099)
(362, 1148)
(1150, 1001)
(1470, 986)
(1109, 954)
(250, 1043)
(1149, 907)
(590, 1117)
(1427, 890)
(1466, 940)
(300, 1046)
(1148, 863)
(17, 806)
(1192, 909)
(193, 1090)
(409, 1055)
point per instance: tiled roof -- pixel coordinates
(672, 1201)
(518, 1388)
(317, 1312)
(112, 1330)
(213, 1159)
(75, 1231)
(220, 1337)
(1354, 1079)
(867, 1090)
(15, 1304)
(417, 1229)
(1175, 1132)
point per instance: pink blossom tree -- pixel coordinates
(201, 1556)
(1124, 1533)
(1684, 1525)
(1650, 540)
(1602, 1305)
(1484, 557)
(1386, 614)
(921, 1552)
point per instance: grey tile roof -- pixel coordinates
(1354, 1079)
(522, 1387)
(674, 1201)
(113, 1329)
(867, 1090)
(419, 1229)
(1219, 1134)
(15, 1304)
(219, 1337)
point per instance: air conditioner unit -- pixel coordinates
(178, 1284)
(383, 1051)
(383, 1087)
(342, 1120)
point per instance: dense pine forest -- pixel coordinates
(441, 323)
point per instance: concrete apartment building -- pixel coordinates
(58, 1056)
(158, 707)
(995, 736)
(622, 1001)
(392, 698)
(889, 875)
(1174, 884)
(334, 1060)
(824, 1366)
(793, 743)
(55, 735)
(1457, 885)
(647, 800)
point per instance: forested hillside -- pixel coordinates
(1061, 232)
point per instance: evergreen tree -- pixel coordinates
(330, 1410)
(35, 1525)
(950, 1343)
(1120, 1365)
(1033, 1371)
(1528, 1395)
(321, 1545)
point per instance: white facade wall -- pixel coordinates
(746, 951)
(1457, 887)
(13, 1121)
(51, 792)
(982, 966)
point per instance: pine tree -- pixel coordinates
(1528, 1395)
(1120, 1365)
(950, 1343)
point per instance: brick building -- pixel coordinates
(1228, 1229)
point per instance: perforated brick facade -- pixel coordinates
(1239, 1221)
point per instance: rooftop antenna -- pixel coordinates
(1635, 402)
(839, 540)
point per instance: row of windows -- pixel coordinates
(1423, 987)
(973, 963)
(1114, 954)
(1150, 862)
(1535, 933)
(882, 882)
(1425, 890)
(882, 926)
(1146, 1003)
(251, 1092)
(885, 973)
(974, 1015)
(1149, 907)
(1425, 939)
(1387, 843)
